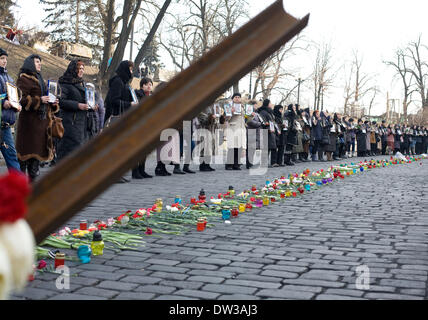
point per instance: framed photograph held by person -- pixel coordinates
(52, 91)
(227, 110)
(217, 110)
(249, 109)
(90, 95)
(13, 95)
(238, 108)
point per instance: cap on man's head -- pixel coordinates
(3, 52)
(236, 94)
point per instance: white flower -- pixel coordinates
(62, 232)
(18, 240)
(5, 273)
(174, 209)
(216, 201)
(110, 222)
(168, 208)
(68, 230)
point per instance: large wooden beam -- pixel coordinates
(89, 171)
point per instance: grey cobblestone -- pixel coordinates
(310, 252)
(97, 292)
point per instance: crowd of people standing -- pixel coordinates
(294, 134)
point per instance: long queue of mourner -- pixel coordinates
(294, 134)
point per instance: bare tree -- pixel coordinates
(406, 76)
(322, 76)
(143, 49)
(419, 68)
(272, 72)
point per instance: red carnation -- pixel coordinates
(149, 231)
(14, 189)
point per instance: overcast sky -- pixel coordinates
(374, 27)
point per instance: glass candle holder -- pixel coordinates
(248, 207)
(242, 207)
(266, 201)
(259, 202)
(235, 212)
(226, 213)
(59, 259)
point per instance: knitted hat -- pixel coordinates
(3, 52)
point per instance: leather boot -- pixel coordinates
(187, 169)
(177, 169)
(142, 170)
(23, 165)
(161, 170)
(136, 174)
(33, 169)
(288, 161)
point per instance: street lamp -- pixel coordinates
(299, 81)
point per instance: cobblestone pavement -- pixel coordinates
(307, 248)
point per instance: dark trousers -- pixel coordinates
(373, 147)
(316, 147)
(280, 155)
(233, 156)
(273, 156)
(384, 145)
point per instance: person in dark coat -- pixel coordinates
(398, 136)
(316, 136)
(383, 133)
(146, 89)
(330, 148)
(34, 142)
(306, 135)
(8, 117)
(266, 113)
(73, 110)
(326, 127)
(291, 128)
(100, 111)
(119, 97)
(281, 136)
(254, 122)
(361, 133)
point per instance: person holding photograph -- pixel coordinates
(237, 138)
(119, 97)
(146, 89)
(76, 119)
(8, 118)
(34, 142)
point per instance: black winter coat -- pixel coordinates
(119, 97)
(77, 123)
(267, 116)
(290, 116)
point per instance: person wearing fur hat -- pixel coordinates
(236, 134)
(34, 141)
(8, 117)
